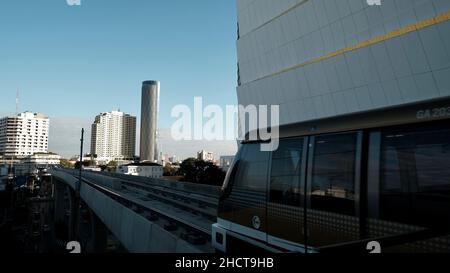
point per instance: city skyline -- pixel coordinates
(64, 139)
(326, 132)
(93, 70)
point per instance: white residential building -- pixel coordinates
(37, 160)
(24, 135)
(113, 136)
(205, 156)
(29, 164)
(151, 170)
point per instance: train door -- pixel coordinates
(248, 198)
(333, 189)
(285, 207)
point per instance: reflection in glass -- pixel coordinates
(415, 177)
(252, 169)
(333, 174)
(286, 172)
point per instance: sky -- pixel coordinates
(73, 62)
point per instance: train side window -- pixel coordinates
(415, 177)
(286, 172)
(333, 173)
(252, 169)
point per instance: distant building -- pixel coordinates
(37, 161)
(43, 159)
(173, 159)
(149, 119)
(31, 163)
(205, 156)
(92, 169)
(24, 134)
(113, 136)
(169, 159)
(226, 161)
(151, 170)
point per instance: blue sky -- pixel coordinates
(75, 62)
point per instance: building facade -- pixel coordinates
(24, 134)
(149, 121)
(205, 156)
(113, 136)
(32, 163)
(151, 170)
(326, 58)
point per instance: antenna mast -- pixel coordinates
(17, 102)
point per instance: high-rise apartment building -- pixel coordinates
(325, 58)
(113, 136)
(24, 134)
(149, 121)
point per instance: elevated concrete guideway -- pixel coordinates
(149, 215)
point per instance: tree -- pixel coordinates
(85, 164)
(66, 164)
(169, 170)
(202, 172)
(77, 165)
(188, 170)
(112, 166)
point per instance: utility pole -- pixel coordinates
(77, 192)
(81, 158)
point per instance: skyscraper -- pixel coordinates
(113, 136)
(24, 134)
(149, 120)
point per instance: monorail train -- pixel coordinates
(342, 183)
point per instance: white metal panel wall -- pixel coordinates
(404, 69)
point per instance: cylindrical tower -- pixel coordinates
(149, 118)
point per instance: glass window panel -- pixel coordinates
(415, 176)
(252, 169)
(333, 174)
(286, 172)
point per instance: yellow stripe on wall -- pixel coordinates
(378, 39)
(275, 18)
